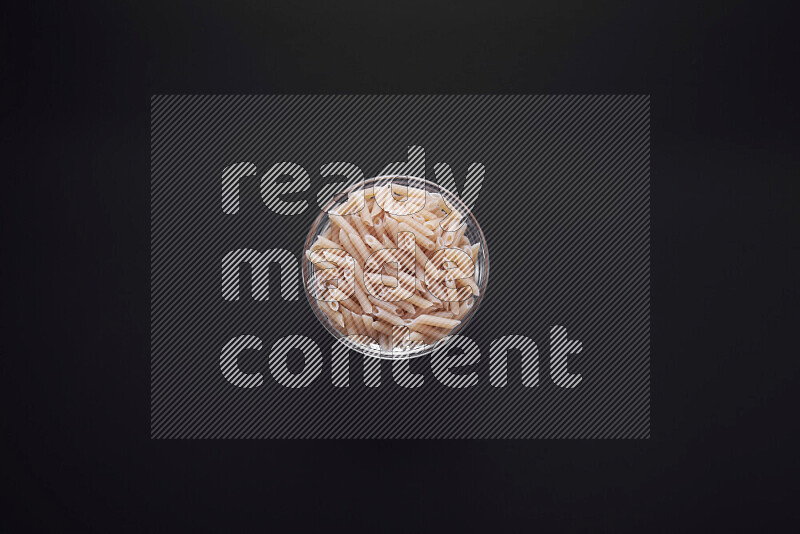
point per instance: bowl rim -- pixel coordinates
(313, 303)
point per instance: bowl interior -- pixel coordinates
(473, 232)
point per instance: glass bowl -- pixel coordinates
(413, 343)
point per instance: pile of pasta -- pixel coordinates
(389, 281)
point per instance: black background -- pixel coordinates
(77, 79)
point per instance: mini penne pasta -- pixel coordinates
(332, 313)
(358, 224)
(369, 323)
(382, 328)
(358, 244)
(387, 307)
(406, 306)
(349, 322)
(366, 216)
(372, 242)
(324, 242)
(416, 225)
(470, 283)
(434, 320)
(355, 203)
(429, 268)
(421, 238)
(391, 226)
(343, 224)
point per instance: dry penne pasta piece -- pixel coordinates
(440, 280)
(366, 216)
(359, 225)
(371, 332)
(475, 249)
(358, 275)
(434, 320)
(372, 242)
(431, 297)
(463, 309)
(369, 193)
(387, 241)
(463, 264)
(431, 225)
(343, 224)
(386, 342)
(430, 334)
(336, 256)
(415, 224)
(353, 322)
(390, 270)
(442, 202)
(401, 338)
(324, 242)
(429, 217)
(362, 299)
(389, 317)
(332, 286)
(437, 233)
(419, 302)
(401, 278)
(451, 222)
(315, 257)
(406, 306)
(470, 283)
(379, 227)
(389, 288)
(459, 234)
(318, 263)
(362, 325)
(421, 239)
(420, 272)
(349, 323)
(391, 226)
(382, 328)
(446, 239)
(387, 307)
(354, 203)
(405, 191)
(333, 274)
(359, 245)
(376, 210)
(369, 323)
(344, 239)
(332, 312)
(401, 200)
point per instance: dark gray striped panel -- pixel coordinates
(565, 209)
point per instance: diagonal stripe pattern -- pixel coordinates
(565, 207)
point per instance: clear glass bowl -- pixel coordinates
(472, 232)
